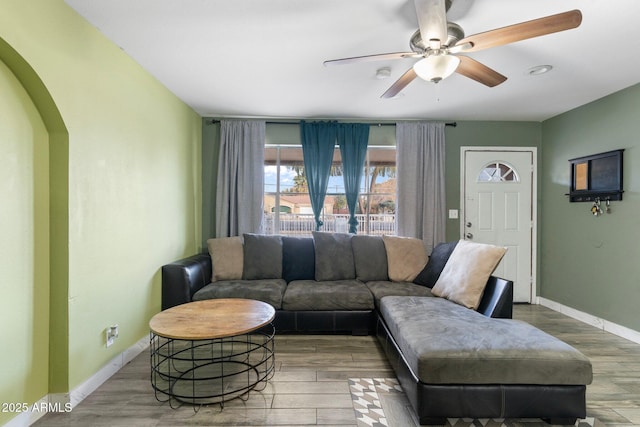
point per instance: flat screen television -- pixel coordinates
(598, 176)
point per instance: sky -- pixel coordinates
(336, 184)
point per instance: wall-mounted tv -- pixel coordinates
(598, 176)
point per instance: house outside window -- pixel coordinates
(287, 207)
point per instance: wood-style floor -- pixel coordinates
(310, 384)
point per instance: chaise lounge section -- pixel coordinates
(454, 361)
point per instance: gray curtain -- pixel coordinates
(240, 188)
(420, 151)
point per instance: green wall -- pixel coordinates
(125, 195)
(482, 134)
(590, 263)
(210, 151)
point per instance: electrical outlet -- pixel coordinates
(111, 333)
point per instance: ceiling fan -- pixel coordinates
(439, 44)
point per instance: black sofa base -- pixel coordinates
(323, 322)
(434, 403)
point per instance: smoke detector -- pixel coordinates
(383, 73)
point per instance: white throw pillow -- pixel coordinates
(466, 272)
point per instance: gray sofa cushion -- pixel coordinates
(269, 291)
(445, 343)
(437, 260)
(263, 255)
(334, 257)
(327, 295)
(381, 289)
(298, 258)
(370, 258)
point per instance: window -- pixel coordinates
(498, 172)
(287, 207)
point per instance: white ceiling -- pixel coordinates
(263, 58)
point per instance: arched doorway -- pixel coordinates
(49, 205)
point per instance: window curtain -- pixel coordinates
(353, 139)
(420, 162)
(240, 185)
(318, 142)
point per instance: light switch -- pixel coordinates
(453, 213)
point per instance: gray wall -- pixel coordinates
(592, 263)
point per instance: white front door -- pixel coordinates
(498, 207)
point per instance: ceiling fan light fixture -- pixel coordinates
(436, 67)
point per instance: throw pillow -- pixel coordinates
(370, 258)
(466, 273)
(226, 258)
(334, 257)
(437, 260)
(298, 258)
(406, 257)
(263, 256)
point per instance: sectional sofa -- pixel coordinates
(443, 320)
(328, 283)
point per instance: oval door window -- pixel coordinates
(498, 172)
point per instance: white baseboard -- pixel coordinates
(605, 325)
(79, 393)
(61, 402)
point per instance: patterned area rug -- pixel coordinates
(380, 402)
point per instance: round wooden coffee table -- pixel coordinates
(211, 351)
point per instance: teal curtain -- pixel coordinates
(353, 139)
(318, 142)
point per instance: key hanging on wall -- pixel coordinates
(596, 210)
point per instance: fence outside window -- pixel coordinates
(304, 224)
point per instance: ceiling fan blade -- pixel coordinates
(524, 30)
(479, 72)
(400, 84)
(367, 58)
(432, 19)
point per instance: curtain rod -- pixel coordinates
(213, 121)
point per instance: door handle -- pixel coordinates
(469, 236)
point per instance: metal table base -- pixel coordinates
(211, 371)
